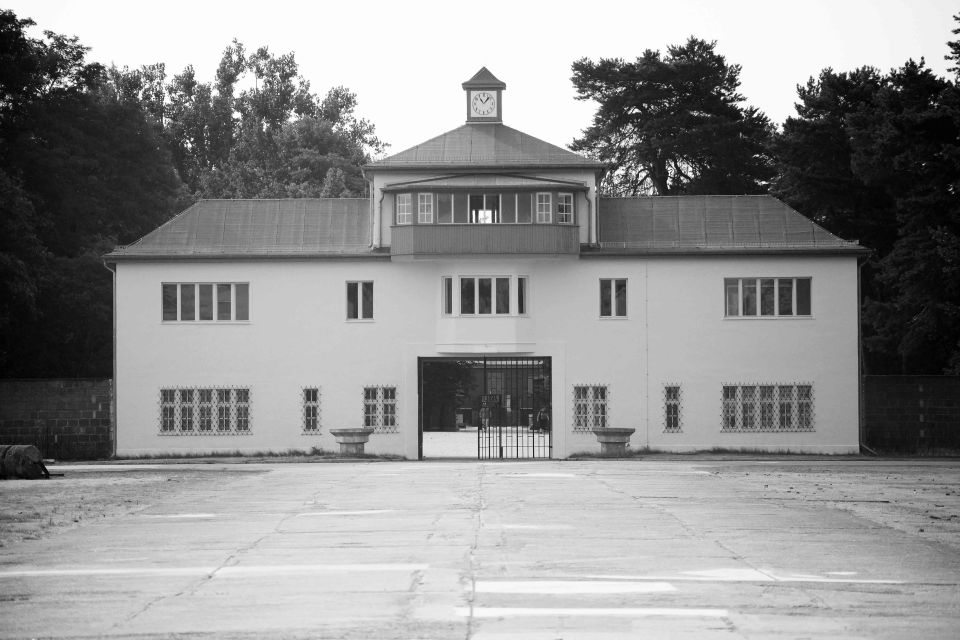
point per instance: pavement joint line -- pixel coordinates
(178, 516)
(758, 578)
(220, 571)
(631, 612)
(367, 512)
(560, 587)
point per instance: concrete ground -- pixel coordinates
(683, 547)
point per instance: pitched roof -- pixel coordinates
(303, 227)
(486, 180)
(704, 224)
(484, 78)
(486, 145)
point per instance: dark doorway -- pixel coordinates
(485, 407)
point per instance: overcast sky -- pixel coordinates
(405, 60)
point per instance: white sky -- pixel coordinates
(406, 59)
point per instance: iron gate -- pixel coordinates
(513, 405)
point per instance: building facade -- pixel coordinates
(485, 284)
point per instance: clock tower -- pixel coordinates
(484, 97)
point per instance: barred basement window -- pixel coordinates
(311, 410)
(767, 407)
(195, 411)
(590, 407)
(380, 408)
(671, 409)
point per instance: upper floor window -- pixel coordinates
(565, 208)
(189, 301)
(360, 300)
(751, 297)
(425, 208)
(613, 297)
(544, 208)
(485, 295)
(485, 208)
(404, 208)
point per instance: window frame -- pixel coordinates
(380, 408)
(360, 301)
(565, 208)
(744, 298)
(502, 304)
(611, 287)
(590, 409)
(206, 410)
(767, 407)
(425, 208)
(403, 208)
(310, 410)
(543, 210)
(173, 308)
(672, 408)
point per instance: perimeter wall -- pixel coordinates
(911, 414)
(64, 419)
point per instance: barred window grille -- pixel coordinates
(204, 411)
(767, 407)
(311, 409)
(590, 407)
(380, 408)
(672, 403)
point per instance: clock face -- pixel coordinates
(483, 103)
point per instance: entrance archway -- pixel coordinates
(485, 407)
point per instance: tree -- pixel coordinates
(82, 168)
(673, 124)
(876, 157)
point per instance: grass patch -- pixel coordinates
(315, 454)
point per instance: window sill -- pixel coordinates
(766, 318)
(202, 323)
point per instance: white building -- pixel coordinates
(483, 281)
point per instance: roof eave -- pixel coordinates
(115, 257)
(606, 252)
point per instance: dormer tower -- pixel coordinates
(484, 97)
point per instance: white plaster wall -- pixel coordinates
(298, 336)
(692, 344)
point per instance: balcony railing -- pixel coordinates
(476, 239)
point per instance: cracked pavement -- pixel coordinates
(679, 547)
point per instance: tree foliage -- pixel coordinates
(92, 157)
(82, 167)
(673, 124)
(876, 157)
(272, 139)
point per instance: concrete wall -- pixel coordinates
(65, 419)
(912, 414)
(675, 332)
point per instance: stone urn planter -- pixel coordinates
(613, 440)
(351, 441)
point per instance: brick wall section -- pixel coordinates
(911, 414)
(65, 419)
